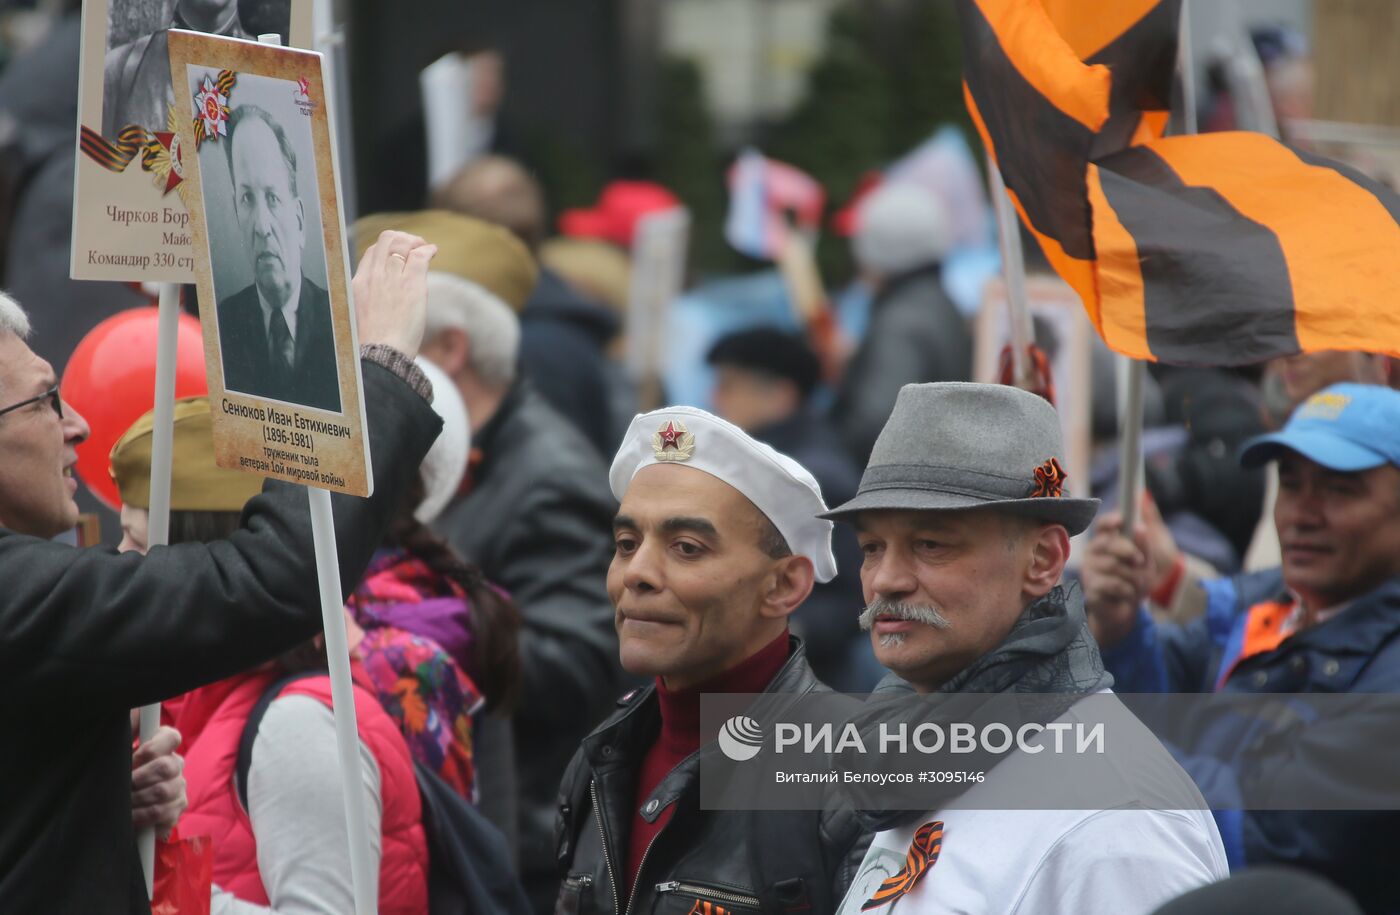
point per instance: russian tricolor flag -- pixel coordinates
(762, 192)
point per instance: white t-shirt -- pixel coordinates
(1128, 855)
(297, 809)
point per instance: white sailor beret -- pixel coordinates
(780, 487)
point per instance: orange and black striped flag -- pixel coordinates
(1136, 40)
(1219, 249)
(923, 854)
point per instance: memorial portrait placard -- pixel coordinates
(270, 261)
(130, 220)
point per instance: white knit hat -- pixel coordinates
(899, 226)
(777, 485)
(446, 462)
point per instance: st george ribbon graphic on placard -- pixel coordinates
(130, 220)
(270, 263)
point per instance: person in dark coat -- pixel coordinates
(533, 519)
(563, 342)
(87, 635)
(916, 333)
(275, 335)
(1219, 409)
(764, 380)
(534, 512)
(1327, 621)
(564, 334)
(717, 543)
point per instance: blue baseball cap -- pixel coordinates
(1344, 427)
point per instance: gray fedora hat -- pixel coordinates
(954, 445)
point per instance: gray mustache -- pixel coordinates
(919, 613)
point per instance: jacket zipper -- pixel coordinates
(631, 897)
(675, 886)
(603, 837)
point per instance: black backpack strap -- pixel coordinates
(469, 862)
(250, 729)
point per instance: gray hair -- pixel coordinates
(460, 304)
(13, 320)
(927, 614)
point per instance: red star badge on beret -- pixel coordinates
(673, 442)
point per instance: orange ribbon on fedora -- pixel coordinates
(923, 854)
(1049, 480)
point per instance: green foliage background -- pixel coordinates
(890, 74)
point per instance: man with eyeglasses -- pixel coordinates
(86, 635)
(158, 795)
(43, 464)
(51, 395)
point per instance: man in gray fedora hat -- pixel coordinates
(964, 525)
(963, 504)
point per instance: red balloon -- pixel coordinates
(111, 381)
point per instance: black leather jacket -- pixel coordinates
(744, 861)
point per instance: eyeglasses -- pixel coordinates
(50, 395)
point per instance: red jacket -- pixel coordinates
(212, 719)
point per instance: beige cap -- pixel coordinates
(196, 483)
(486, 254)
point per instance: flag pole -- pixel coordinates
(1186, 63)
(1013, 268)
(797, 264)
(1130, 466)
(158, 525)
(1131, 374)
(347, 736)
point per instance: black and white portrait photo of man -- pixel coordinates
(276, 335)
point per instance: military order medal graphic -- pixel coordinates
(211, 106)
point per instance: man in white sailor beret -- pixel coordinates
(717, 543)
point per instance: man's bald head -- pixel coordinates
(498, 190)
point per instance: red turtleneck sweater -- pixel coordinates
(680, 736)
